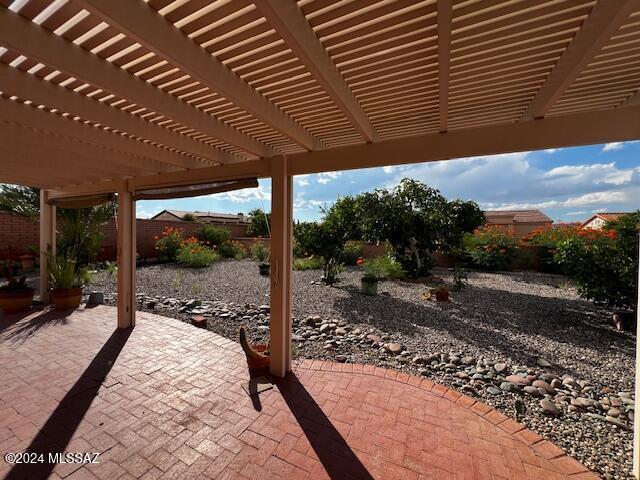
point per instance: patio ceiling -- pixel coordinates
(169, 92)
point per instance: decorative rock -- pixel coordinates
(518, 380)
(545, 386)
(508, 387)
(533, 391)
(617, 423)
(493, 390)
(542, 362)
(500, 367)
(394, 348)
(549, 407)
(340, 331)
(374, 338)
(312, 321)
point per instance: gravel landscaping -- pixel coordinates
(522, 342)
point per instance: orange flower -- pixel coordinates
(360, 261)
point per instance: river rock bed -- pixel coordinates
(524, 343)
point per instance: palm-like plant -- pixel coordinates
(64, 273)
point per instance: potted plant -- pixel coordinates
(257, 354)
(66, 282)
(15, 296)
(372, 274)
(27, 261)
(441, 293)
(264, 268)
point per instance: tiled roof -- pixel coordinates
(516, 216)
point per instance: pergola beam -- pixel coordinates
(444, 61)
(143, 24)
(290, 23)
(619, 124)
(35, 42)
(604, 20)
(42, 125)
(41, 92)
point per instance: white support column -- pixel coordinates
(281, 258)
(126, 225)
(47, 243)
(636, 421)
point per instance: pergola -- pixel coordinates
(132, 96)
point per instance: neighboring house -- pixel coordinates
(599, 219)
(518, 223)
(203, 217)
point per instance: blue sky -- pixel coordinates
(568, 184)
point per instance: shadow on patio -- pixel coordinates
(165, 399)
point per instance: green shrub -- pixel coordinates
(309, 263)
(383, 267)
(232, 249)
(188, 217)
(169, 242)
(259, 251)
(491, 248)
(604, 263)
(213, 236)
(195, 255)
(352, 252)
(65, 272)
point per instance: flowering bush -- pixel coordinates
(352, 251)
(547, 239)
(491, 248)
(604, 263)
(193, 254)
(231, 249)
(168, 242)
(259, 251)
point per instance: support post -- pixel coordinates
(47, 243)
(636, 421)
(281, 258)
(126, 225)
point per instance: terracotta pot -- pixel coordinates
(369, 286)
(442, 294)
(27, 262)
(16, 301)
(65, 298)
(256, 363)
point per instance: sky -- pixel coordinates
(568, 184)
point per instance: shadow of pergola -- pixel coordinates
(57, 432)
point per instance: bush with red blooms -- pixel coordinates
(168, 242)
(604, 263)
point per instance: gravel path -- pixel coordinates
(514, 318)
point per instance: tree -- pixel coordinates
(416, 220)
(79, 236)
(188, 217)
(327, 239)
(19, 200)
(259, 223)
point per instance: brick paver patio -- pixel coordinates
(164, 400)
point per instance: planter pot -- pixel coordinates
(258, 363)
(28, 262)
(442, 295)
(16, 301)
(65, 298)
(264, 269)
(369, 286)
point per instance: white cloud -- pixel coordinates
(302, 180)
(608, 147)
(579, 212)
(244, 195)
(326, 177)
(571, 202)
(551, 151)
(606, 173)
